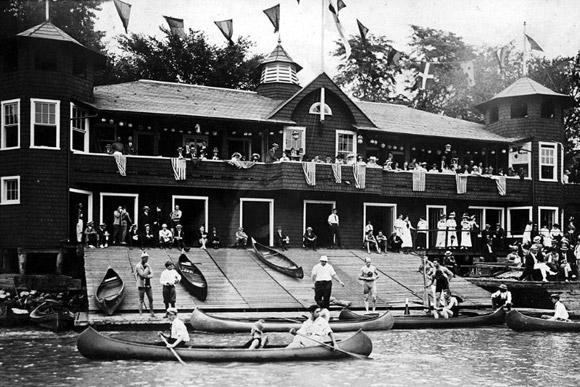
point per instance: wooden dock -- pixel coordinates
(239, 282)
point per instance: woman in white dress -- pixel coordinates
(466, 232)
(527, 239)
(406, 235)
(441, 233)
(451, 233)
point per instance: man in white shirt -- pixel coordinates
(560, 312)
(312, 331)
(334, 224)
(169, 277)
(179, 336)
(322, 275)
(501, 298)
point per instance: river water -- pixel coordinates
(472, 357)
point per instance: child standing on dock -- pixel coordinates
(143, 275)
(169, 277)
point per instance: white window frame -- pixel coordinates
(509, 220)
(443, 209)
(84, 131)
(354, 141)
(287, 138)
(33, 102)
(484, 215)
(4, 192)
(556, 211)
(525, 156)
(270, 214)
(113, 194)
(3, 124)
(204, 199)
(366, 205)
(554, 164)
(90, 198)
(315, 109)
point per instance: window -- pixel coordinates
(520, 159)
(10, 125)
(517, 218)
(10, 190)
(548, 161)
(548, 110)
(345, 143)
(519, 109)
(487, 215)
(493, 114)
(315, 109)
(45, 124)
(548, 216)
(294, 137)
(79, 124)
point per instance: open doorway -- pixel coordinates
(257, 219)
(433, 216)
(381, 216)
(194, 211)
(84, 198)
(110, 201)
(316, 216)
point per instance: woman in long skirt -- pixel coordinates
(441, 233)
(406, 235)
(466, 232)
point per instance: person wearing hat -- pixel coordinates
(143, 275)
(179, 238)
(271, 155)
(179, 336)
(103, 236)
(165, 237)
(465, 232)
(334, 223)
(241, 238)
(91, 236)
(566, 177)
(502, 297)
(312, 331)
(567, 262)
(255, 157)
(202, 238)
(450, 262)
(148, 239)
(281, 239)
(441, 232)
(369, 275)
(534, 260)
(560, 312)
(145, 217)
(451, 233)
(322, 275)
(514, 255)
(257, 333)
(169, 277)
(309, 239)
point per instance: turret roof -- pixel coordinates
(280, 55)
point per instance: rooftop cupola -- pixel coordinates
(279, 78)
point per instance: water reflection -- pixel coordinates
(478, 357)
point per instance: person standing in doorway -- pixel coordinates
(143, 275)
(80, 228)
(271, 155)
(175, 217)
(322, 275)
(126, 221)
(369, 275)
(334, 223)
(117, 225)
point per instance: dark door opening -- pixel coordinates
(317, 218)
(256, 221)
(192, 218)
(111, 203)
(434, 215)
(381, 218)
(76, 199)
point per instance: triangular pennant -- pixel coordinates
(533, 44)
(334, 12)
(124, 11)
(176, 26)
(274, 16)
(363, 32)
(467, 68)
(393, 57)
(227, 28)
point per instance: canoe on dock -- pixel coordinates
(428, 322)
(93, 345)
(520, 322)
(110, 293)
(192, 278)
(277, 260)
(52, 315)
(203, 322)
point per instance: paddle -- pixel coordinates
(356, 355)
(171, 349)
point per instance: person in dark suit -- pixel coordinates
(309, 239)
(281, 239)
(271, 155)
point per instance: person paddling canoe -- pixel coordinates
(313, 331)
(179, 336)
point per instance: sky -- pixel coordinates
(553, 24)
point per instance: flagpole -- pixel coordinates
(322, 20)
(525, 61)
(47, 10)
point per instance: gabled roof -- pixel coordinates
(280, 55)
(47, 30)
(399, 119)
(168, 98)
(525, 87)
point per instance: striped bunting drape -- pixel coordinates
(337, 171)
(500, 181)
(461, 181)
(359, 172)
(179, 168)
(309, 169)
(418, 180)
(121, 161)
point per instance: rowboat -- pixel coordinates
(520, 322)
(53, 315)
(192, 278)
(93, 345)
(203, 322)
(428, 322)
(277, 260)
(111, 292)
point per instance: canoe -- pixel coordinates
(111, 292)
(192, 278)
(11, 316)
(93, 345)
(277, 260)
(203, 322)
(520, 322)
(428, 322)
(52, 315)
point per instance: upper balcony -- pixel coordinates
(98, 169)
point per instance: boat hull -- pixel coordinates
(428, 322)
(203, 322)
(94, 345)
(110, 293)
(192, 278)
(51, 315)
(277, 261)
(522, 323)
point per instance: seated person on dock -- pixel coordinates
(449, 262)
(258, 338)
(309, 239)
(449, 307)
(91, 236)
(103, 236)
(382, 241)
(535, 261)
(313, 331)
(165, 237)
(179, 336)
(371, 242)
(502, 297)
(202, 238)
(241, 238)
(395, 242)
(514, 256)
(147, 237)
(214, 238)
(560, 312)
(281, 239)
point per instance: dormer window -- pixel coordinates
(493, 114)
(519, 109)
(315, 109)
(548, 109)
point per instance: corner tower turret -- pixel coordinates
(279, 78)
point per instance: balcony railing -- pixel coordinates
(158, 171)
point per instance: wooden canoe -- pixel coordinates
(203, 322)
(428, 322)
(52, 315)
(111, 292)
(93, 345)
(277, 260)
(192, 278)
(520, 322)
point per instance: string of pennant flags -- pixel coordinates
(425, 70)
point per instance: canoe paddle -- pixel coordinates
(356, 355)
(171, 349)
